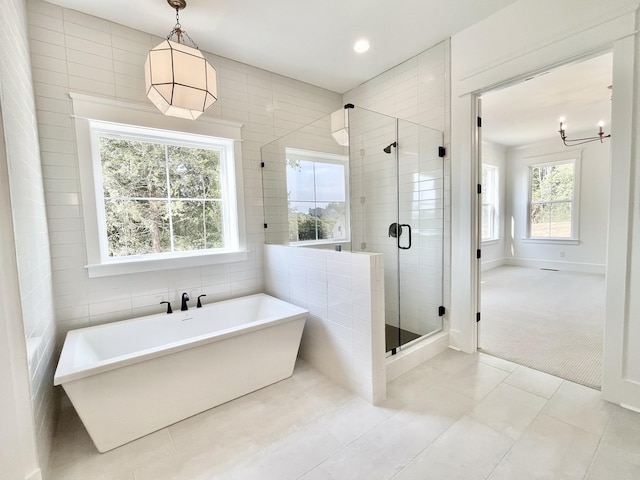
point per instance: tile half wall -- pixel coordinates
(344, 293)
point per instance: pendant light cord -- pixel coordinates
(179, 32)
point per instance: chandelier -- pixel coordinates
(179, 80)
(579, 141)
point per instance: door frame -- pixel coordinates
(615, 387)
(478, 163)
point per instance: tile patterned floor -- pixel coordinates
(456, 417)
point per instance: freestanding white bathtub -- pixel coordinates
(130, 378)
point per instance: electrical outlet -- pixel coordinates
(562, 254)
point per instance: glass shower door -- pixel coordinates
(421, 218)
(397, 209)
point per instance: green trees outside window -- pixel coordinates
(317, 198)
(160, 198)
(550, 207)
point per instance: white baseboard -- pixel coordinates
(562, 266)
(495, 263)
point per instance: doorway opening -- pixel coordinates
(543, 220)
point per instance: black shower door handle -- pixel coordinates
(409, 246)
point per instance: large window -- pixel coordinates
(317, 195)
(490, 230)
(552, 200)
(162, 193)
(157, 192)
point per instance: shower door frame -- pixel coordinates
(403, 249)
(412, 216)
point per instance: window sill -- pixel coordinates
(491, 241)
(553, 241)
(152, 265)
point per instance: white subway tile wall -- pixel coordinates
(343, 291)
(29, 214)
(74, 52)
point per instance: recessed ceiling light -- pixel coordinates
(361, 46)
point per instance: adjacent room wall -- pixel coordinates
(74, 52)
(29, 226)
(589, 255)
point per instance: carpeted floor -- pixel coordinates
(547, 320)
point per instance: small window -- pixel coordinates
(490, 228)
(161, 193)
(317, 188)
(552, 208)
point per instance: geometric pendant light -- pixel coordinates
(179, 80)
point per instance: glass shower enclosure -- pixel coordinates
(362, 181)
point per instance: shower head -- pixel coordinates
(387, 149)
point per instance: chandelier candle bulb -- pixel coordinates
(579, 141)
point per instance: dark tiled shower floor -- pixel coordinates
(396, 336)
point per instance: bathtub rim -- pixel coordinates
(67, 371)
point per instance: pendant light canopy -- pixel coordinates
(179, 80)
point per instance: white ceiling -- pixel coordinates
(307, 40)
(529, 112)
(312, 41)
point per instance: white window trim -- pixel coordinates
(496, 202)
(574, 156)
(87, 108)
(313, 156)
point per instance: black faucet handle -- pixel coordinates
(199, 305)
(185, 298)
(169, 310)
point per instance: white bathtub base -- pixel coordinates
(122, 404)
